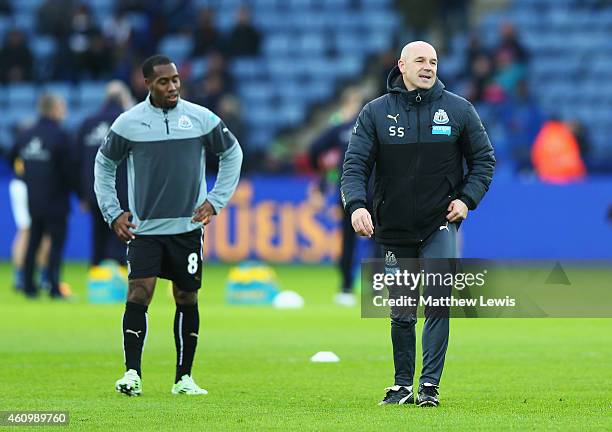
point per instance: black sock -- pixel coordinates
(134, 334)
(186, 327)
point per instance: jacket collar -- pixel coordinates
(395, 84)
(157, 110)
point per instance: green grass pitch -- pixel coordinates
(500, 374)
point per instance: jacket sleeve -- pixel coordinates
(478, 153)
(110, 155)
(359, 161)
(225, 145)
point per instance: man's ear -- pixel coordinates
(402, 65)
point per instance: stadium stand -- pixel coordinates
(310, 48)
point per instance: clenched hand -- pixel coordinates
(362, 222)
(122, 226)
(204, 213)
(457, 211)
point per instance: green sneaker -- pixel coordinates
(130, 384)
(187, 386)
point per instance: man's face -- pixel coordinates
(164, 86)
(59, 110)
(419, 67)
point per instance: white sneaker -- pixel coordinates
(130, 384)
(187, 385)
(345, 299)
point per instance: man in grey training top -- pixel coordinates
(164, 140)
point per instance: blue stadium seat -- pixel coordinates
(139, 21)
(318, 90)
(261, 138)
(25, 22)
(311, 44)
(43, 47)
(249, 68)
(225, 18)
(199, 66)
(278, 44)
(177, 47)
(348, 65)
(22, 96)
(26, 7)
(290, 113)
(91, 93)
(101, 9)
(20, 115)
(257, 91)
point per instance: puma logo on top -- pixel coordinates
(394, 118)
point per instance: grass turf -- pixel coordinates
(500, 374)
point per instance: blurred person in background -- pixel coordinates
(176, 16)
(479, 69)
(89, 52)
(244, 39)
(511, 45)
(16, 58)
(90, 136)
(18, 193)
(522, 119)
(52, 18)
(418, 136)
(326, 156)
(6, 7)
(228, 108)
(556, 154)
(48, 172)
(206, 37)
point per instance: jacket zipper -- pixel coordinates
(416, 163)
(166, 121)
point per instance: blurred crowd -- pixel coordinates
(115, 48)
(88, 49)
(495, 79)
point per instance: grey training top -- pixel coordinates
(165, 153)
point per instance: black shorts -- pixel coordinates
(177, 257)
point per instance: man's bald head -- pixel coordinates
(418, 48)
(418, 64)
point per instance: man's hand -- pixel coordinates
(362, 222)
(204, 213)
(457, 211)
(122, 226)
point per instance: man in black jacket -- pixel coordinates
(418, 135)
(336, 138)
(89, 138)
(48, 173)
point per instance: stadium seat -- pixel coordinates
(91, 93)
(22, 96)
(198, 66)
(249, 68)
(177, 47)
